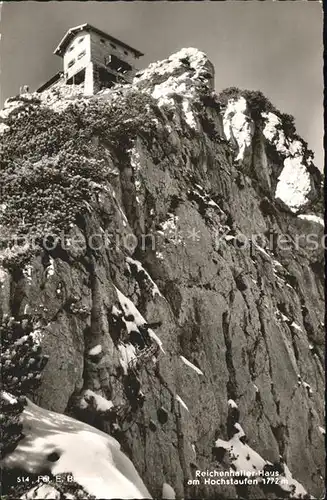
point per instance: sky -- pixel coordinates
(275, 47)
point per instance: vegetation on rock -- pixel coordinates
(21, 367)
(21, 358)
(51, 163)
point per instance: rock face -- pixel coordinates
(186, 290)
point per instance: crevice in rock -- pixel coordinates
(294, 345)
(231, 384)
(175, 409)
(252, 352)
(17, 292)
(264, 336)
(128, 191)
(280, 432)
(310, 425)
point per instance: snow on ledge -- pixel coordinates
(188, 363)
(247, 461)
(101, 403)
(296, 327)
(127, 356)
(231, 403)
(129, 309)
(91, 456)
(155, 290)
(313, 218)
(179, 399)
(96, 350)
(168, 492)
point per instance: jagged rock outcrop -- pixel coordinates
(174, 315)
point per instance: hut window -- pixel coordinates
(82, 54)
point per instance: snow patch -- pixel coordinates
(296, 326)
(313, 218)
(188, 363)
(308, 388)
(155, 290)
(238, 453)
(282, 317)
(262, 250)
(128, 356)
(96, 350)
(276, 263)
(167, 492)
(293, 486)
(129, 309)
(179, 399)
(246, 461)
(91, 456)
(155, 337)
(100, 403)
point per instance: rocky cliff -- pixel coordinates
(162, 247)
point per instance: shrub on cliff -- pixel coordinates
(288, 124)
(20, 354)
(21, 367)
(51, 163)
(257, 101)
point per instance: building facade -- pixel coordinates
(93, 58)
